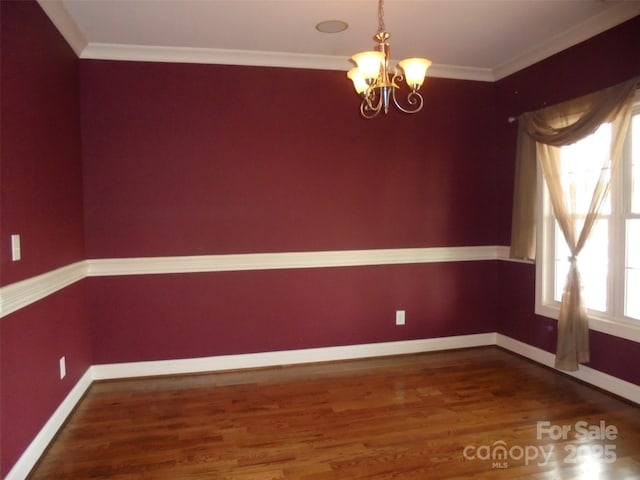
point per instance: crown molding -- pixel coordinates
(153, 53)
(65, 24)
(456, 72)
(146, 53)
(611, 17)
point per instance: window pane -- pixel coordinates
(561, 263)
(632, 275)
(583, 163)
(593, 264)
(635, 162)
(633, 244)
(632, 307)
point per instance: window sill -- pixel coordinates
(617, 327)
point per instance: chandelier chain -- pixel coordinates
(381, 27)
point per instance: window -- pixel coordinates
(610, 261)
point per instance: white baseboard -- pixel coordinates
(288, 357)
(39, 444)
(589, 375)
(266, 359)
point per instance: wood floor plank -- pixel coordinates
(437, 415)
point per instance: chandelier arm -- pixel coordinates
(413, 98)
(368, 112)
(367, 108)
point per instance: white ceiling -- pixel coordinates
(475, 39)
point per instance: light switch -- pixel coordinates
(16, 254)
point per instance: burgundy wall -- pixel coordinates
(40, 136)
(156, 317)
(184, 159)
(199, 159)
(193, 159)
(600, 62)
(33, 340)
(41, 199)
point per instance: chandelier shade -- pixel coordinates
(369, 64)
(375, 81)
(415, 70)
(359, 83)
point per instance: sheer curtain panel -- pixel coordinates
(541, 134)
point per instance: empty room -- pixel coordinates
(234, 247)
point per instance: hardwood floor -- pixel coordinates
(426, 416)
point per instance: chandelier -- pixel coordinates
(376, 83)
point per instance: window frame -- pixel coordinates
(612, 322)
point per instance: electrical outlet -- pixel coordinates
(63, 367)
(400, 317)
